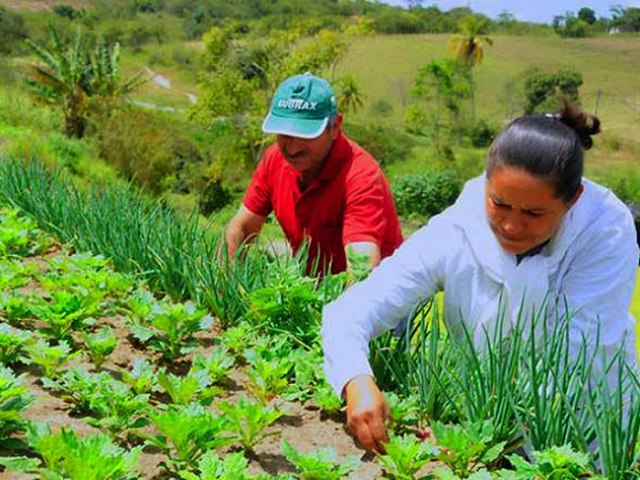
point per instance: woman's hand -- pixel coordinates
(367, 412)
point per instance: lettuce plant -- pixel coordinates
(326, 399)
(142, 378)
(195, 386)
(14, 307)
(64, 455)
(554, 463)
(464, 448)
(238, 339)
(211, 467)
(50, 358)
(320, 464)
(170, 328)
(404, 411)
(217, 363)
(82, 270)
(66, 311)
(12, 341)
(248, 421)
(268, 378)
(185, 433)
(14, 398)
(112, 405)
(19, 235)
(404, 456)
(100, 345)
(15, 274)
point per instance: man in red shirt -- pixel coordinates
(324, 189)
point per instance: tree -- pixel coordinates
(568, 25)
(441, 84)
(350, 96)
(468, 46)
(243, 72)
(544, 90)
(587, 15)
(77, 79)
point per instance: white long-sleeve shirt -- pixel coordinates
(591, 262)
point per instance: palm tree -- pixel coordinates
(70, 76)
(468, 46)
(350, 96)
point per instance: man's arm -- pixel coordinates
(243, 227)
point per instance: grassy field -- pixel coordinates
(386, 66)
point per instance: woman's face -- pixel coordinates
(523, 210)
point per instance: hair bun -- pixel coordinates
(584, 124)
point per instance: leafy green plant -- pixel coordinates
(326, 399)
(64, 455)
(50, 358)
(85, 272)
(66, 311)
(463, 448)
(12, 341)
(425, 194)
(112, 405)
(217, 363)
(247, 422)
(268, 378)
(404, 456)
(404, 411)
(211, 467)
(171, 328)
(15, 274)
(100, 345)
(14, 398)
(307, 374)
(561, 462)
(142, 378)
(185, 433)
(14, 307)
(19, 235)
(320, 464)
(238, 339)
(195, 386)
(289, 303)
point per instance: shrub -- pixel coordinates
(386, 144)
(141, 146)
(482, 133)
(425, 194)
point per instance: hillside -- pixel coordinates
(387, 65)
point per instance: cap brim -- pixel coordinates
(294, 127)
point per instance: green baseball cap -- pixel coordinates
(301, 107)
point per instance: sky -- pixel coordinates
(540, 11)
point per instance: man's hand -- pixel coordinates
(367, 412)
(243, 227)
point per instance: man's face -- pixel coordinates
(307, 155)
(523, 210)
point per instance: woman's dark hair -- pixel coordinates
(548, 146)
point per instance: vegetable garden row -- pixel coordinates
(131, 349)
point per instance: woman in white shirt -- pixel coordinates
(531, 230)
